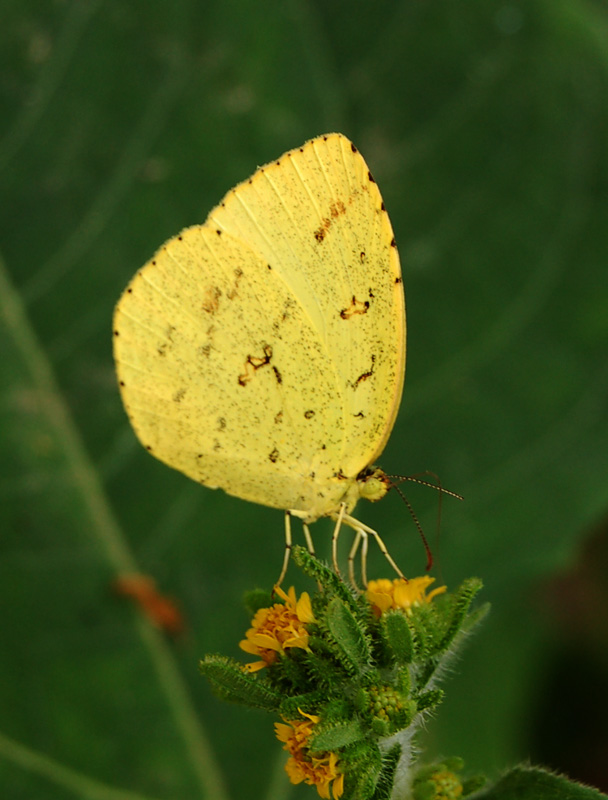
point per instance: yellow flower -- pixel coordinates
(385, 594)
(320, 770)
(277, 628)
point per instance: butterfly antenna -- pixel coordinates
(427, 549)
(395, 479)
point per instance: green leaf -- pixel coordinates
(326, 577)
(426, 701)
(230, 682)
(386, 779)
(309, 703)
(398, 635)
(363, 764)
(336, 736)
(532, 783)
(350, 640)
(460, 603)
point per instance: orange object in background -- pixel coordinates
(160, 609)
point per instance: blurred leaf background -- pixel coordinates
(485, 125)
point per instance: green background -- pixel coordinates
(485, 125)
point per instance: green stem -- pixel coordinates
(81, 785)
(103, 525)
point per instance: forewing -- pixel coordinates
(317, 217)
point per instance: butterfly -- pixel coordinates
(263, 352)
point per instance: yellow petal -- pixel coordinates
(292, 598)
(435, 592)
(382, 585)
(407, 594)
(265, 641)
(281, 593)
(323, 790)
(249, 647)
(255, 666)
(338, 787)
(304, 608)
(297, 641)
(311, 717)
(283, 732)
(294, 771)
(382, 601)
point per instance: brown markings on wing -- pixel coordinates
(322, 230)
(232, 293)
(212, 294)
(211, 299)
(254, 363)
(365, 375)
(164, 346)
(355, 307)
(336, 209)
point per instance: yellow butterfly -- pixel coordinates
(263, 352)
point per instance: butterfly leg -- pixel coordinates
(334, 538)
(361, 536)
(310, 547)
(359, 526)
(288, 541)
(309, 543)
(352, 555)
(364, 558)
(287, 548)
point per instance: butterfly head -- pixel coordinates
(373, 484)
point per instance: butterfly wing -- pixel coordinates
(263, 352)
(316, 215)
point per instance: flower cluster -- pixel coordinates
(441, 781)
(320, 770)
(350, 675)
(400, 594)
(275, 629)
